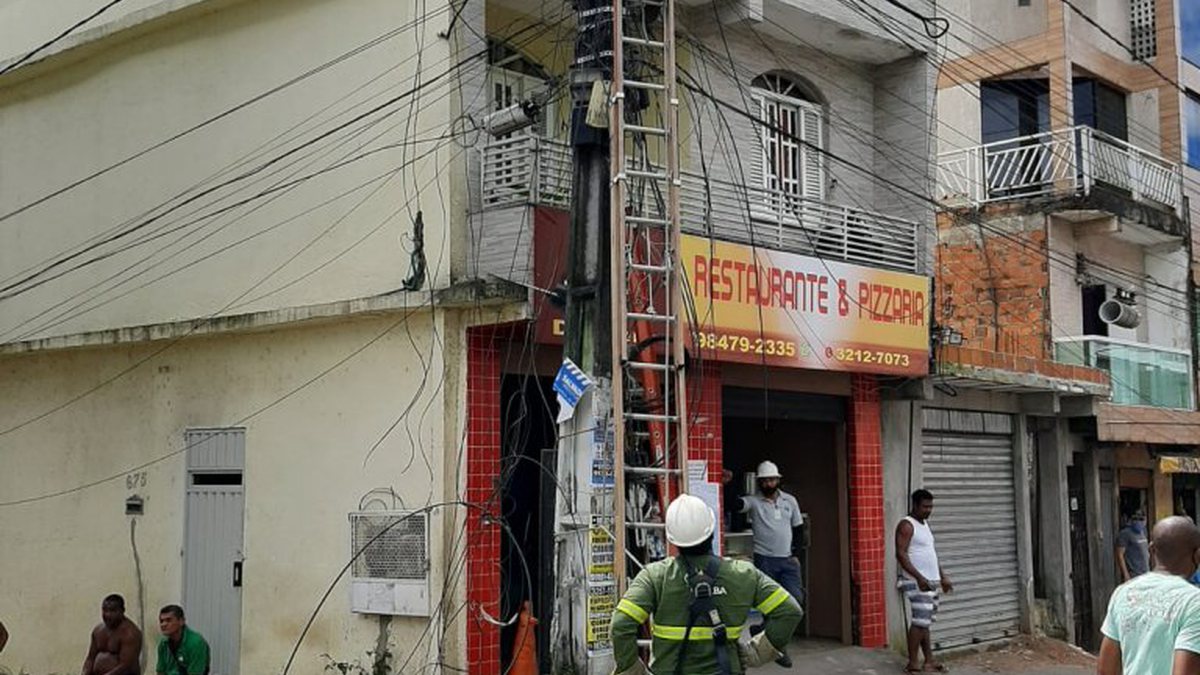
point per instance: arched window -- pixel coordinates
(514, 77)
(792, 111)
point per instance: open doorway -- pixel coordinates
(527, 429)
(1185, 494)
(807, 442)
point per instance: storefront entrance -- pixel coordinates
(804, 435)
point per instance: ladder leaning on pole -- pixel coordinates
(649, 392)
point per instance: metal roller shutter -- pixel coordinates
(968, 466)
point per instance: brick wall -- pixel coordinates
(483, 467)
(867, 569)
(998, 299)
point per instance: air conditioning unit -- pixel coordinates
(390, 573)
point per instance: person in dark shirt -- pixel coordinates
(1133, 548)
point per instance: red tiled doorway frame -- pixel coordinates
(867, 569)
(483, 469)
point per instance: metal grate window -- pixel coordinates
(1142, 29)
(396, 545)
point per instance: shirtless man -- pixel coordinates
(116, 642)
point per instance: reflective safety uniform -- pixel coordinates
(661, 593)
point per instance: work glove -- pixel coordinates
(638, 668)
(758, 652)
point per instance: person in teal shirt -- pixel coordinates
(181, 651)
(1153, 621)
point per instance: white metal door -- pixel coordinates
(212, 564)
(968, 466)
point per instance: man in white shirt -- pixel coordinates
(920, 578)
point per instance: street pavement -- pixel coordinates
(822, 658)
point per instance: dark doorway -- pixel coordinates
(527, 428)
(811, 456)
(1093, 297)
(1185, 494)
(1081, 583)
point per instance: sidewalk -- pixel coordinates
(1035, 657)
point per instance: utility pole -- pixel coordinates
(583, 514)
(622, 455)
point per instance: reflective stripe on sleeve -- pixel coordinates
(773, 600)
(675, 633)
(633, 611)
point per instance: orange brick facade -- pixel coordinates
(993, 284)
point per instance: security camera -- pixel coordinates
(513, 118)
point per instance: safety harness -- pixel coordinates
(702, 605)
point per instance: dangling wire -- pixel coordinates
(935, 26)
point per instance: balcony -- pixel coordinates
(1140, 374)
(529, 170)
(526, 169)
(1063, 163)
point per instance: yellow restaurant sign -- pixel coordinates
(1173, 464)
(783, 309)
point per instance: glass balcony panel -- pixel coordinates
(1141, 374)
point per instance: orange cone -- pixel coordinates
(525, 644)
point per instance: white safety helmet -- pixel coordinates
(768, 470)
(689, 521)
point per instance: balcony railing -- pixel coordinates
(528, 170)
(1141, 374)
(525, 169)
(781, 220)
(1070, 161)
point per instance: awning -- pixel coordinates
(1172, 464)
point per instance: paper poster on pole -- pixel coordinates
(569, 385)
(710, 493)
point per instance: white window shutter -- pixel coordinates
(813, 133)
(758, 155)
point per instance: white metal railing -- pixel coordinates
(529, 170)
(1070, 161)
(526, 169)
(780, 220)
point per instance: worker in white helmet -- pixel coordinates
(698, 603)
(774, 516)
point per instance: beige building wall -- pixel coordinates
(1113, 15)
(307, 466)
(27, 24)
(959, 119)
(978, 25)
(330, 214)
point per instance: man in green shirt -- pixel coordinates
(664, 592)
(1153, 622)
(181, 651)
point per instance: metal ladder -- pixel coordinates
(649, 391)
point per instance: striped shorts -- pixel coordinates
(922, 605)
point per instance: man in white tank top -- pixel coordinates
(920, 578)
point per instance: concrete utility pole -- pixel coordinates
(587, 437)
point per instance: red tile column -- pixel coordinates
(483, 468)
(866, 511)
(704, 417)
